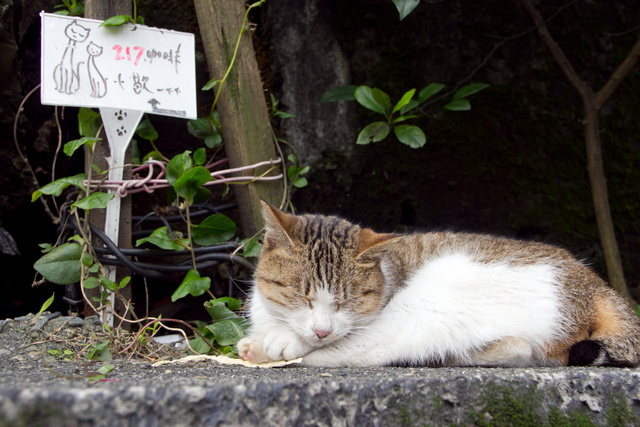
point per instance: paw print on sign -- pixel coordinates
(120, 115)
(121, 131)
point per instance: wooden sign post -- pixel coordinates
(124, 71)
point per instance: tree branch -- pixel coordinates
(556, 51)
(618, 76)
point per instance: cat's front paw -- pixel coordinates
(284, 345)
(251, 349)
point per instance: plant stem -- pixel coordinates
(233, 58)
(193, 254)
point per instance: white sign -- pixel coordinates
(131, 67)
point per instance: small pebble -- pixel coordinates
(53, 315)
(4, 352)
(41, 322)
(76, 322)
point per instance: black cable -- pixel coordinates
(223, 247)
(176, 268)
(197, 211)
(206, 257)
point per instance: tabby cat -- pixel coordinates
(337, 294)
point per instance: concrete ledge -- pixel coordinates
(212, 395)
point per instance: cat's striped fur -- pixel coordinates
(337, 294)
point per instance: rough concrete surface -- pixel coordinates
(211, 395)
(39, 387)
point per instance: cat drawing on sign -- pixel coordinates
(98, 82)
(66, 74)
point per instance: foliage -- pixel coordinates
(72, 259)
(70, 8)
(207, 128)
(225, 330)
(379, 102)
(295, 172)
(65, 354)
(116, 21)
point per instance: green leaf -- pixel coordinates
(429, 91)
(139, 20)
(213, 140)
(46, 304)
(300, 182)
(56, 187)
(46, 247)
(177, 167)
(90, 282)
(210, 84)
(135, 152)
(252, 247)
(228, 332)
(214, 229)
(94, 201)
(156, 155)
(283, 115)
(200, 156)
(192, 284)
(165, 240)
(108, 283)
(146, 130)
(344, 93)
(404, 100)
(61, 265)
(469, 90)
(458, 105)
(87, 260)
(294, 171)
(373, 132)
(410, 135)
(124, 282)
(234, 304)
(373, 99)
(105, 369)
(100, 352)
(190, 182)
(200, 127)
(88, 122)
(218, 310)
(400, 119)
(405, 7)
(116, 21)
(382, 99)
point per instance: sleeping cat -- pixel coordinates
(337, 294)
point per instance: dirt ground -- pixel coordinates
(56, 355)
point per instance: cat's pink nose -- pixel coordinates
(320, 333)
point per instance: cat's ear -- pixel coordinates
(371, 242)
(279, 227)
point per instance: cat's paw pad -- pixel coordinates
(250, 349)
(284, 346)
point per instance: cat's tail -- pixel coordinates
(614, 339)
